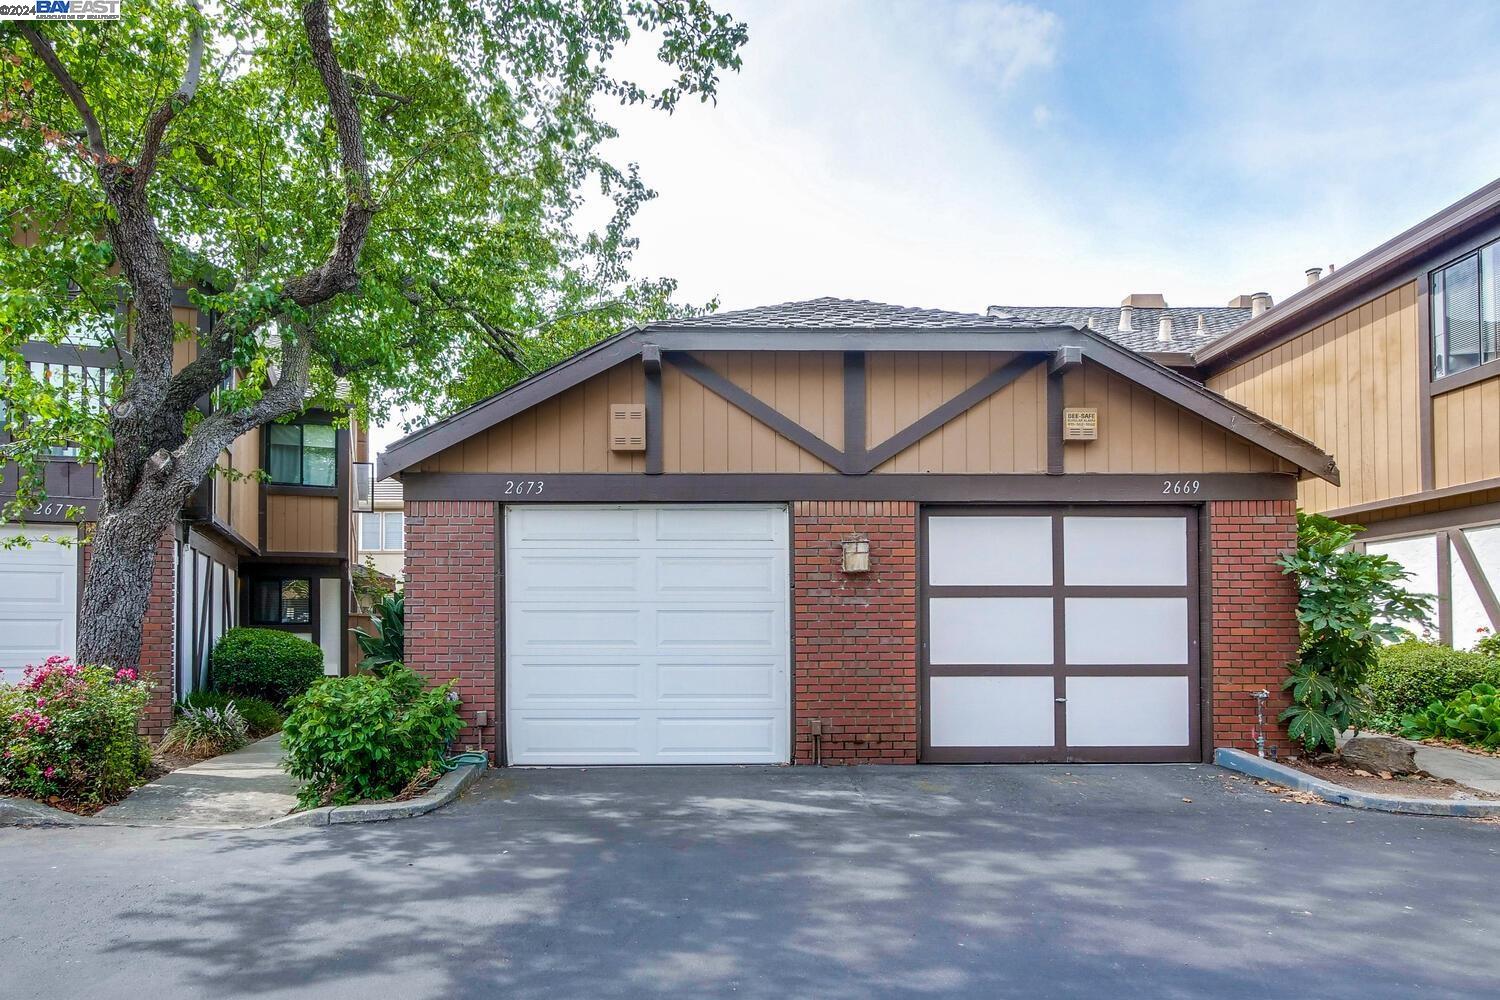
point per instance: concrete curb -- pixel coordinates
(449, 787)
(24, 812)
(1258, 767)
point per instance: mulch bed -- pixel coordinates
(1413, 786)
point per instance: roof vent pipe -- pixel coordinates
(1202, 327)
(1259, 303)
(1164, 330)
(1125, 324)
(1313, 274)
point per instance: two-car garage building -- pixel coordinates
(845, 531)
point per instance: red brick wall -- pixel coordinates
(1254, 617)
(450, 605)
(855, 645)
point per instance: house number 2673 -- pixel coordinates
(1176, 487)
(523, 487)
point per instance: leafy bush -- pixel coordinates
(386, 647)
(69, 732)
(265, 663)
(1488, 644)
(365, 737)
(207, 732)
(1346, 604)
(1408, 676)
(1472, 716)
(260, 715)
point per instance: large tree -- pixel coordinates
(378, 203)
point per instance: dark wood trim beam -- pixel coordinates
(1478, 486)
(1054, 424)
(760, 410)
(1467, 377)
(1426, 464)
(651, 361)
(856, 437)
(1080, 488)
(1467, 556)
(1419, 524)
(951, 410)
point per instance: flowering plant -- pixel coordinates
(70, 732)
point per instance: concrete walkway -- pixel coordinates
(242, 788)
(1476, 770)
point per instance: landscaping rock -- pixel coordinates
(1376, 754)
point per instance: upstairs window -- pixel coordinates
(381, 532)
(1466, 312)
(302, 454)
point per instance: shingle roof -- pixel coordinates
(831, 314)
(1218, 321)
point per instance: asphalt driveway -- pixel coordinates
(776, 883)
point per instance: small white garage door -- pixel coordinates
(646, 635)
(1061, 634)
(38, 599)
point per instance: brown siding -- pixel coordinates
(1139, 432)
(244, 492)
(1466, 434)
(1457, 502)
(1351, 386)
(701, 432)
(299, 523)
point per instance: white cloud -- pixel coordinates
(1005, 40)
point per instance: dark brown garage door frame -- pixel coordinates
(1058, 670)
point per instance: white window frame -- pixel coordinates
(384, 519)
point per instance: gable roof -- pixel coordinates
(830, 324)
(1218, 321)
(1364, 273)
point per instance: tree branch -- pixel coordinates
(156, 125)
(45, 53)
(337, 273)
(508, 342)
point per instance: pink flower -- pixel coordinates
(125, 674)
(48, 772)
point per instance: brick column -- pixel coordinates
(1254, 617)
(450, 605)
(855, 645)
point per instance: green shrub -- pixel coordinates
(265, 663)
(1471, 716)
(1488, 645)
(260, 715)
(386, 647)
(1409, 676)
(207, 732)
(70, 732)
(1346, 602)
(365, 737)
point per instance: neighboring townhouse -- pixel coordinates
(381, 534)
(269, 550)
(845, 531)
(1391, 363)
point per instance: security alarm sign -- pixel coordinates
(1080, 423)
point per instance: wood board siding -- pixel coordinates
(1005, 433)
(244, 491)
(1140, 432)
(1466, 434)
(1351, 385)
(302, 523)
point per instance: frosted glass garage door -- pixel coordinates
(647, 635)
(1058, 634)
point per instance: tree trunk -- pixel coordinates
(117, 587)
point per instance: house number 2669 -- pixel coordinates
(1175, 487)
(523, 487)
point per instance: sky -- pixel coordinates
(961, 154)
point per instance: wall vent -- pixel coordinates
(627, 427)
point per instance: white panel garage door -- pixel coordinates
(1061, 634)
(646, 635)
(38, 599)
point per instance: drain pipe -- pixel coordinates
(1260, 721)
